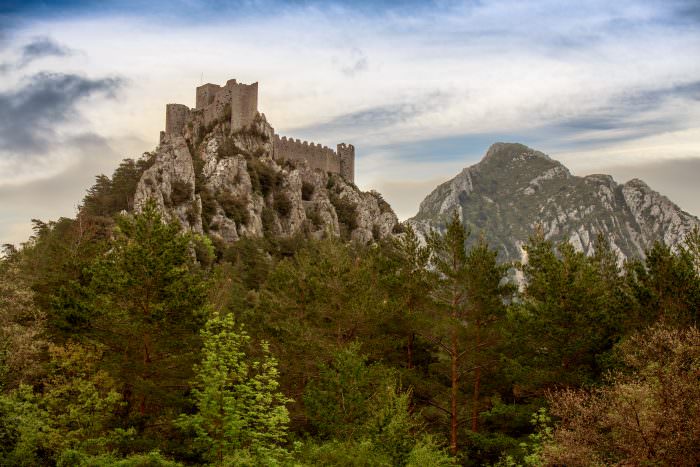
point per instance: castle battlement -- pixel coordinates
(239, 102)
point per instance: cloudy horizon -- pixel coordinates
(421, 89)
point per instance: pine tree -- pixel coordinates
(241, 416)
(450, 261)
(147, 307)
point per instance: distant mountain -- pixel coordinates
(514, 189)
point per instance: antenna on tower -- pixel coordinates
(201, 78)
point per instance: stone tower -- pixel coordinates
(176, 116)
(346, 153)
(238, 98)
(238, 103)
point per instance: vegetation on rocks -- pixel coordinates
(133, 335)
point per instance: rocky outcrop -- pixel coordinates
(514, 190)
(170, 183)
(226, 184)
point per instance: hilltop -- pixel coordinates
(515, 190)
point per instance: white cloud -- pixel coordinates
(493, 68)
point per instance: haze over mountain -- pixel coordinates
(514, 190)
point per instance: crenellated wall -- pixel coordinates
(241, 101)
(317, 156)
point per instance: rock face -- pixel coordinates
(514, 189)
(226, 184)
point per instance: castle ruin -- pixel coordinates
(240, 101)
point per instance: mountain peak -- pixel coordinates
(515, 188)
(508, 152)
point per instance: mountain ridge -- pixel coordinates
(514, 189)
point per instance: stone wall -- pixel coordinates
(317, 156)
(346, 154)
(176, 117)
(205, 95)
(241, 101)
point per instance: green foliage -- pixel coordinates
(667, 284)
(235, 207)
(229, 148)
(239, 406)
(262, 176)
(572, 314)
(282, 203)
(268, 221)
(147, 301)
(379, 345)
(346, 211)
(314, 216)
(384, 207)
(181, 191)
(361, 405)
(73, 416)
(111, 196)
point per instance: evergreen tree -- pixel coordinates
(146, 307)
(241, 416)
(450, 261)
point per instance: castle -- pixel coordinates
(241, 101)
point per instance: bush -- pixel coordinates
(268, 220)
(314, 216)
(263, 177)
(283, 205)
(208, 207)
(229, 148)
(398, 228)
(180, 192)
(383, 205)
(307, 191)
(346, 211)
(235, 208)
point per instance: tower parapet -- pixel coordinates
(239, 103)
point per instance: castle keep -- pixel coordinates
(240, 101)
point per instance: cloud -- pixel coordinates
(358, 63)
(59, 194)
(41, 47)
(32, 114)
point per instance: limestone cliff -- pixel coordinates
(226, 183)
(515, 189)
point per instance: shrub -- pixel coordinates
(398, 228)
(235, 208)
(383, 205)
(229, 148)
(346, 211)
(376, 233)
(180, 192)
(208, 207)
(263, 177)
(192, 214)
(314, 216)
(307, 191)
(268, 220)
(283, 205)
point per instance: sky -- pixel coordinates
(421, 88)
